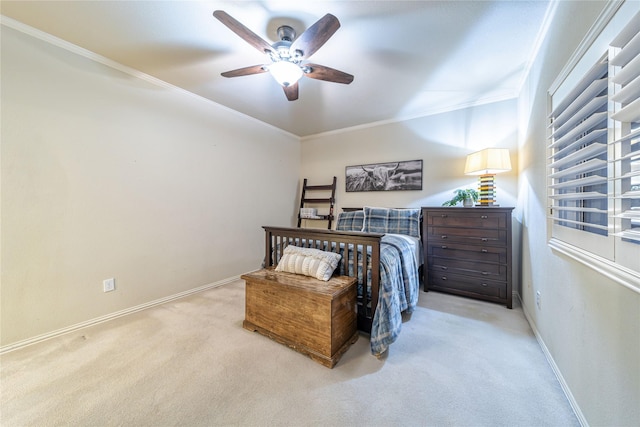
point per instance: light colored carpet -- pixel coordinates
(457, 362)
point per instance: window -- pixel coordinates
(594, 152)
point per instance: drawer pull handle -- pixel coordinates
(484, 251)
(483, 217)
(485, 285)
(444, 268)
(444, 246)
(444, 277)
(444, 237)
(485, 239)
(485, 273)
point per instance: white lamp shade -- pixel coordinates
(488, 161)
(286, 73)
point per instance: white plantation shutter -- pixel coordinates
(594, 155)
(625, 145)
(578, 162)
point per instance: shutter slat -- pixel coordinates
(629, 114)
(584, 224)
(629, 136)
(588, 166)
(628, 32)
(630, 195)
(589, 124)
(595, 73)
(578, 209)
(581, 182)
(628, 73)
(633, 213)
(629, 93)
(628, 52)
(590, 151)
(628, 174)
(591, 136)
(580, 101)
(629, 234)
(590, 107)
(581, 195)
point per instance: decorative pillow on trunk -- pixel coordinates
(308, 262)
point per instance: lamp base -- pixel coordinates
(487, 190)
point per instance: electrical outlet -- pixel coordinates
(109, 285)
(538, 298)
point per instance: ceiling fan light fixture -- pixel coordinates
(286, 73)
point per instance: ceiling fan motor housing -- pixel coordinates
(286, 33)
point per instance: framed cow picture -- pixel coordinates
(394, 176)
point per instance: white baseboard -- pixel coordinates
(554, 367)
(111, 316)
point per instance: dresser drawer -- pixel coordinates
(467, 285)
(475, 218)
(487, 236)
(468, 268)
(480, 253)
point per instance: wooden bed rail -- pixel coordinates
(278, 238)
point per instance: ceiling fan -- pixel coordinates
(288, 54)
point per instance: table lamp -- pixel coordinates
(487, 163)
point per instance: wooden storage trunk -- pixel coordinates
(311, 316)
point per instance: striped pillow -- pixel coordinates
(308, 262)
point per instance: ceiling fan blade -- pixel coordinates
(291, 91)
(246, 34)
(321, 72)
(246, 71)
(315, 36)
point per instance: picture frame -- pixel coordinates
(390, 176)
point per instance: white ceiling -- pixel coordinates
(409, 58)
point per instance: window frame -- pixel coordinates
(609, 254)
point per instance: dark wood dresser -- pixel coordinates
(468, 252)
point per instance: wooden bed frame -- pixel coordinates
(277, 238)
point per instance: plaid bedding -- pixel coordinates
(399, 288)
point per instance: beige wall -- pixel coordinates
(589, 324)
(441, 141)
(108, 175)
